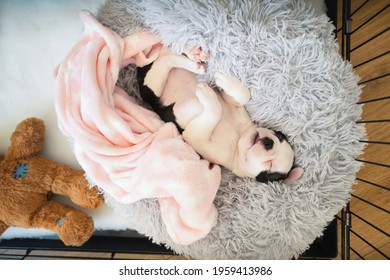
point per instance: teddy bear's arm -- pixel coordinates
(27, 139)
(3, 227)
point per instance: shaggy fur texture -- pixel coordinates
(25, 200)
(288, 57)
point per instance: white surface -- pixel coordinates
(34, 37)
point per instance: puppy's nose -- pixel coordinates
(268, 143)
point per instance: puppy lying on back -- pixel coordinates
(215, 123)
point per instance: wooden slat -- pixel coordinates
(355, 4)
(374, 68)
(379, 110)
(376, 89)
(375, 26)
(378, 153)
(377, 131)
(375, 174)
(376, 256)
(376, 47)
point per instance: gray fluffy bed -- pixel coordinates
(287, 55)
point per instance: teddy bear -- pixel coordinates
(27, 181)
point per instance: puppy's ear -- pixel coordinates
(294, 175)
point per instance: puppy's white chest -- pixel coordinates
(180, 90)
(179, 86)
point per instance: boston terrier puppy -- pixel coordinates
(215, 122)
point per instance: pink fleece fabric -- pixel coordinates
(124, 148)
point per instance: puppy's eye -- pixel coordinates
(280, 136)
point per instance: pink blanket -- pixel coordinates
(124, 148)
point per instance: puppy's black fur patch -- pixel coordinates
(147, 95)
(280, 136)
(266, 176)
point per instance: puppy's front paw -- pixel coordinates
(233, 87)
(226, 82)
(207, 97)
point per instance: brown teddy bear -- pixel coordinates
(27, 181)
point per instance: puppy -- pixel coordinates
(215, 123)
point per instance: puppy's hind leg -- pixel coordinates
(157, 76)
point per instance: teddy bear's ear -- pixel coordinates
(27, 139)
(1, 157)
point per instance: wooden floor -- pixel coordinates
(376, 131)
(378, 48)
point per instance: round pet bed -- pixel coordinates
(288, 57)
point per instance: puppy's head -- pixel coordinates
(267, 156)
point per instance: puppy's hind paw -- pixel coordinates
(197, 54)
(200, 55)
(202, 68)
(207, 96)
